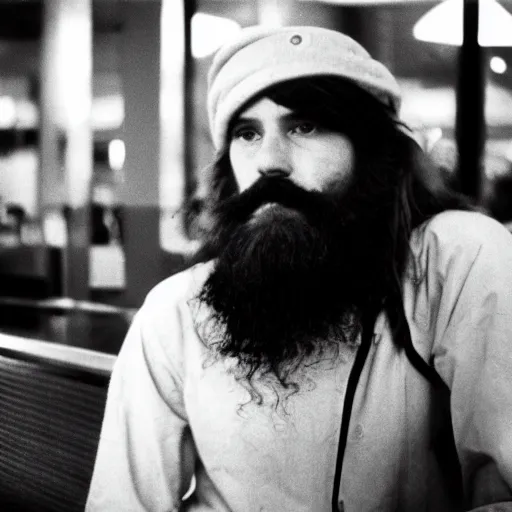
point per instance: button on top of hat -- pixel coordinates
(296, 39)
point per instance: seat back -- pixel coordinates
(51, 409)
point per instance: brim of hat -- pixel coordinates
(258, 82)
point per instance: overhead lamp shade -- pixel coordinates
(443, 24)
(210, 32)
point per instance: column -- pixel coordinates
(378, 30)
(274, 13)
(293, 12)
(178, 143)
(139, 193)
(66, 135)
(470, 128)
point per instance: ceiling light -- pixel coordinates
(498, 65)
(116, 154)
(210, 32)
(444, 24)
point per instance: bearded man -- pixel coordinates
(344, 342)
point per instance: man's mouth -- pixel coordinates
(271, 212)
(266, 207)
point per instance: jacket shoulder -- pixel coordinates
(465, 226)
(179, 287)
(461, 232)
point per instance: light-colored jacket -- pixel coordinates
(174, 411)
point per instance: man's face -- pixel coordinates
(268, 139)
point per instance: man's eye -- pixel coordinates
(304, 128)
(246, 134)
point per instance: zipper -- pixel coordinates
(353, 381)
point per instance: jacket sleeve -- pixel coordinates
(145, 457)
(473, 354)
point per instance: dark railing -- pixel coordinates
(91, 325)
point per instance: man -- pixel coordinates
(346, 343)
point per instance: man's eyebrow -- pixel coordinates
(296, 114)
(290, 116)
(245, 119)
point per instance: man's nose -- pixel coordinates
(273, 158)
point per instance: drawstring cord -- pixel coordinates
(353, 380)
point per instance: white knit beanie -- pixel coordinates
(260, 57)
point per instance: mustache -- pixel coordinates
(239, 208)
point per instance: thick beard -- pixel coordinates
(291, 281)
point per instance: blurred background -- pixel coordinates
(104, 135)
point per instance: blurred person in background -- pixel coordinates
(345, 342)
(444, 155)
(499, 201)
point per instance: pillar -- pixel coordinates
(377, 33)
(292, 12)
(66, 135)
(178, 144)
(470, 114)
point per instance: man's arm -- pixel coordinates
(145, 457)
(473, 354)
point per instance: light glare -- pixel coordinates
(116, 154)
(7, 112)
(498, 65)
(210, 32)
